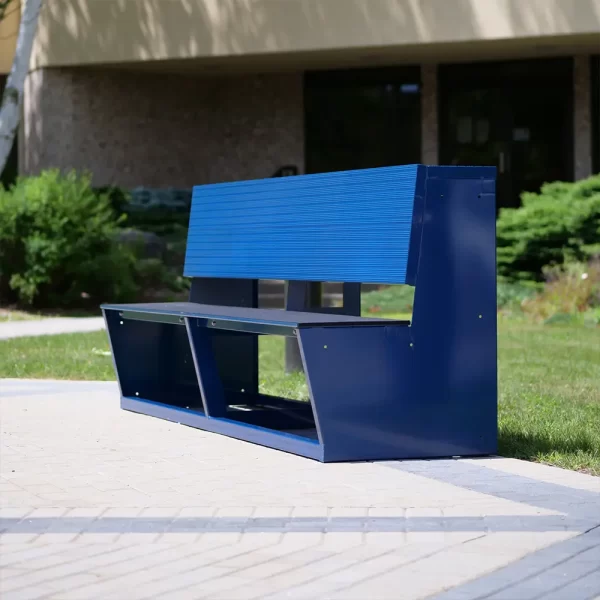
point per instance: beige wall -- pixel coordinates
(75, 32)
(219, 33)
(139, 129)
(8, 36)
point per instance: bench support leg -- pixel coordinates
(235, 353)
(211, 387)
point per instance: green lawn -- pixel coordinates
(69, 356)
(549, 408)
(549, 377)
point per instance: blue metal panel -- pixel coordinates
(416, 227)
(211, 385)
(276, 418)
(454, 314)
(225, 316)
(363, 394)
(153, 360)
(429, 390)
(379, 390)
(351, 226)
(241, 431)
(376, 398)
(236, 353)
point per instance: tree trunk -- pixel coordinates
(12, 99)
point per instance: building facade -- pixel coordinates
(161, 93)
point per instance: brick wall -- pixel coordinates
(160, 130)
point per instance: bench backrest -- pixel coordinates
(350, 226)
(431, 227)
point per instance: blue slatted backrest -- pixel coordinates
(350, 226)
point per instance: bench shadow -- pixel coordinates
(529, 447)
(474, 475)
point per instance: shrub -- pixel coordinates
(400, 298)
(118, 198)
(389, 299)
(511, 294)
(57, 244)
(570, 289)
(592, 317)
(159, 281)
(561, 223)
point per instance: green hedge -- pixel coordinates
(165, 212)
(57, 244)
(560, 223)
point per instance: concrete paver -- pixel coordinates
(96, 502)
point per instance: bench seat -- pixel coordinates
(251, 320)
(173, 367)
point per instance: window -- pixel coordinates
(362, 118)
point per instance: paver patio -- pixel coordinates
(101, 503)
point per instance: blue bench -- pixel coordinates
(379, 389)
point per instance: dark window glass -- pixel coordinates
(362, 118)
(516, 115)
(595, 75)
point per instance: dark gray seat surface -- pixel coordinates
(254, 315)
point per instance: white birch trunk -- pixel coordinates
(12, 99)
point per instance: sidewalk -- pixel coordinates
(96, 502)
(14, 329)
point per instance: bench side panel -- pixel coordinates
(453, 328)
(350, 226)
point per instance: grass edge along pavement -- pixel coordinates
(549, 384)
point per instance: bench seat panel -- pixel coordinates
(282, 318)
(350, 226)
